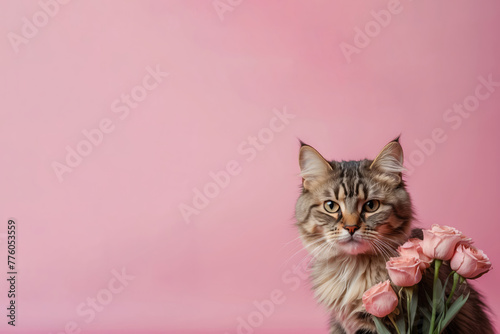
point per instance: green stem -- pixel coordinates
(408, 303)
(456, 277)
(409, 295)
(394, 324)
(437, 265)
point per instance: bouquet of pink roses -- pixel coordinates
(440, 243)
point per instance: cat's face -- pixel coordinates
(353, 207)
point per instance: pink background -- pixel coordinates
(120, 207)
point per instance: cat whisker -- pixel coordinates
(316, 250)
(379, 251)
(315, 253)
(381, 236)
(327, 246)
(302, 249)
(289, 242)
(385, 250)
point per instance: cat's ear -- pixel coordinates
(313, 167)
(390, 159)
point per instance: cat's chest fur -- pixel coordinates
(339, 283)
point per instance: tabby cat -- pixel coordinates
(352, 216)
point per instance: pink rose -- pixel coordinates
(470, 262)
(380, 300)
(404, 270)
(464, 240)
(413, 248)
(440, 242)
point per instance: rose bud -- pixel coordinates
(440, 242)
(404, 270)
(470, 262)
(413, 248)
(380, 300)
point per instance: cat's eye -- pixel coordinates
(331, 206)
(371, 206)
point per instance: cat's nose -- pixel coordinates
(351, 228)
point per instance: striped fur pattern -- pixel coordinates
(352, 216)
